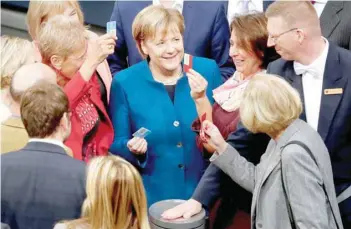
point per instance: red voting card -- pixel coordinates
(203, 117)
(203, 135)
(188, 62)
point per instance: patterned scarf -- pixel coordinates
(229, 95)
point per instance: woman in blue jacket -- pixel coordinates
(155, 94)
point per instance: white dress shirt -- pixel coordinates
(239, 7)
(312, 82)
(50, 141)
(319, 6)
(177, 4)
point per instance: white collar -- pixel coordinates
(317, 65)
(46, 140)
(178, 4)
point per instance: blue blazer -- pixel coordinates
(173, 164)
(206, 34)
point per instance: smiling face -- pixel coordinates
(158, 33)
(246, 62)
(166, 50)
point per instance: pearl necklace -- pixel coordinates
(173, 80)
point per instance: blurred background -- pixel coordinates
(13, 16)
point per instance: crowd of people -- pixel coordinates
(254, 126)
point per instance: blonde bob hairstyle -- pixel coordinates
(15, 52)
(40, 12)
(115, 196)
(269, 105)
(155, 19)
(60, 36)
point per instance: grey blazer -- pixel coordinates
(302, 177)
(336, 23)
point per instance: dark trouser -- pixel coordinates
(345, 211)
(345, 205)
(233, 198)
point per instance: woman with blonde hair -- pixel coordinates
(115, 197)
(65, 48)
(40, 12)
(155, 94)
(293, 184)
(15, 52)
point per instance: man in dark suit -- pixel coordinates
(335, 20)
(320, 72)
(206, 32)
(41, 184)
(336, 23)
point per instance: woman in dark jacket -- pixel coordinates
(250, 54)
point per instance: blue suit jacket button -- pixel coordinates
(176, 123)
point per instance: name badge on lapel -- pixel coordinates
(333, 91)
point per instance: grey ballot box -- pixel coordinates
(197, 221)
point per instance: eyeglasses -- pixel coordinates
(276, 37)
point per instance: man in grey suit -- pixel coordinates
(41, 184)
